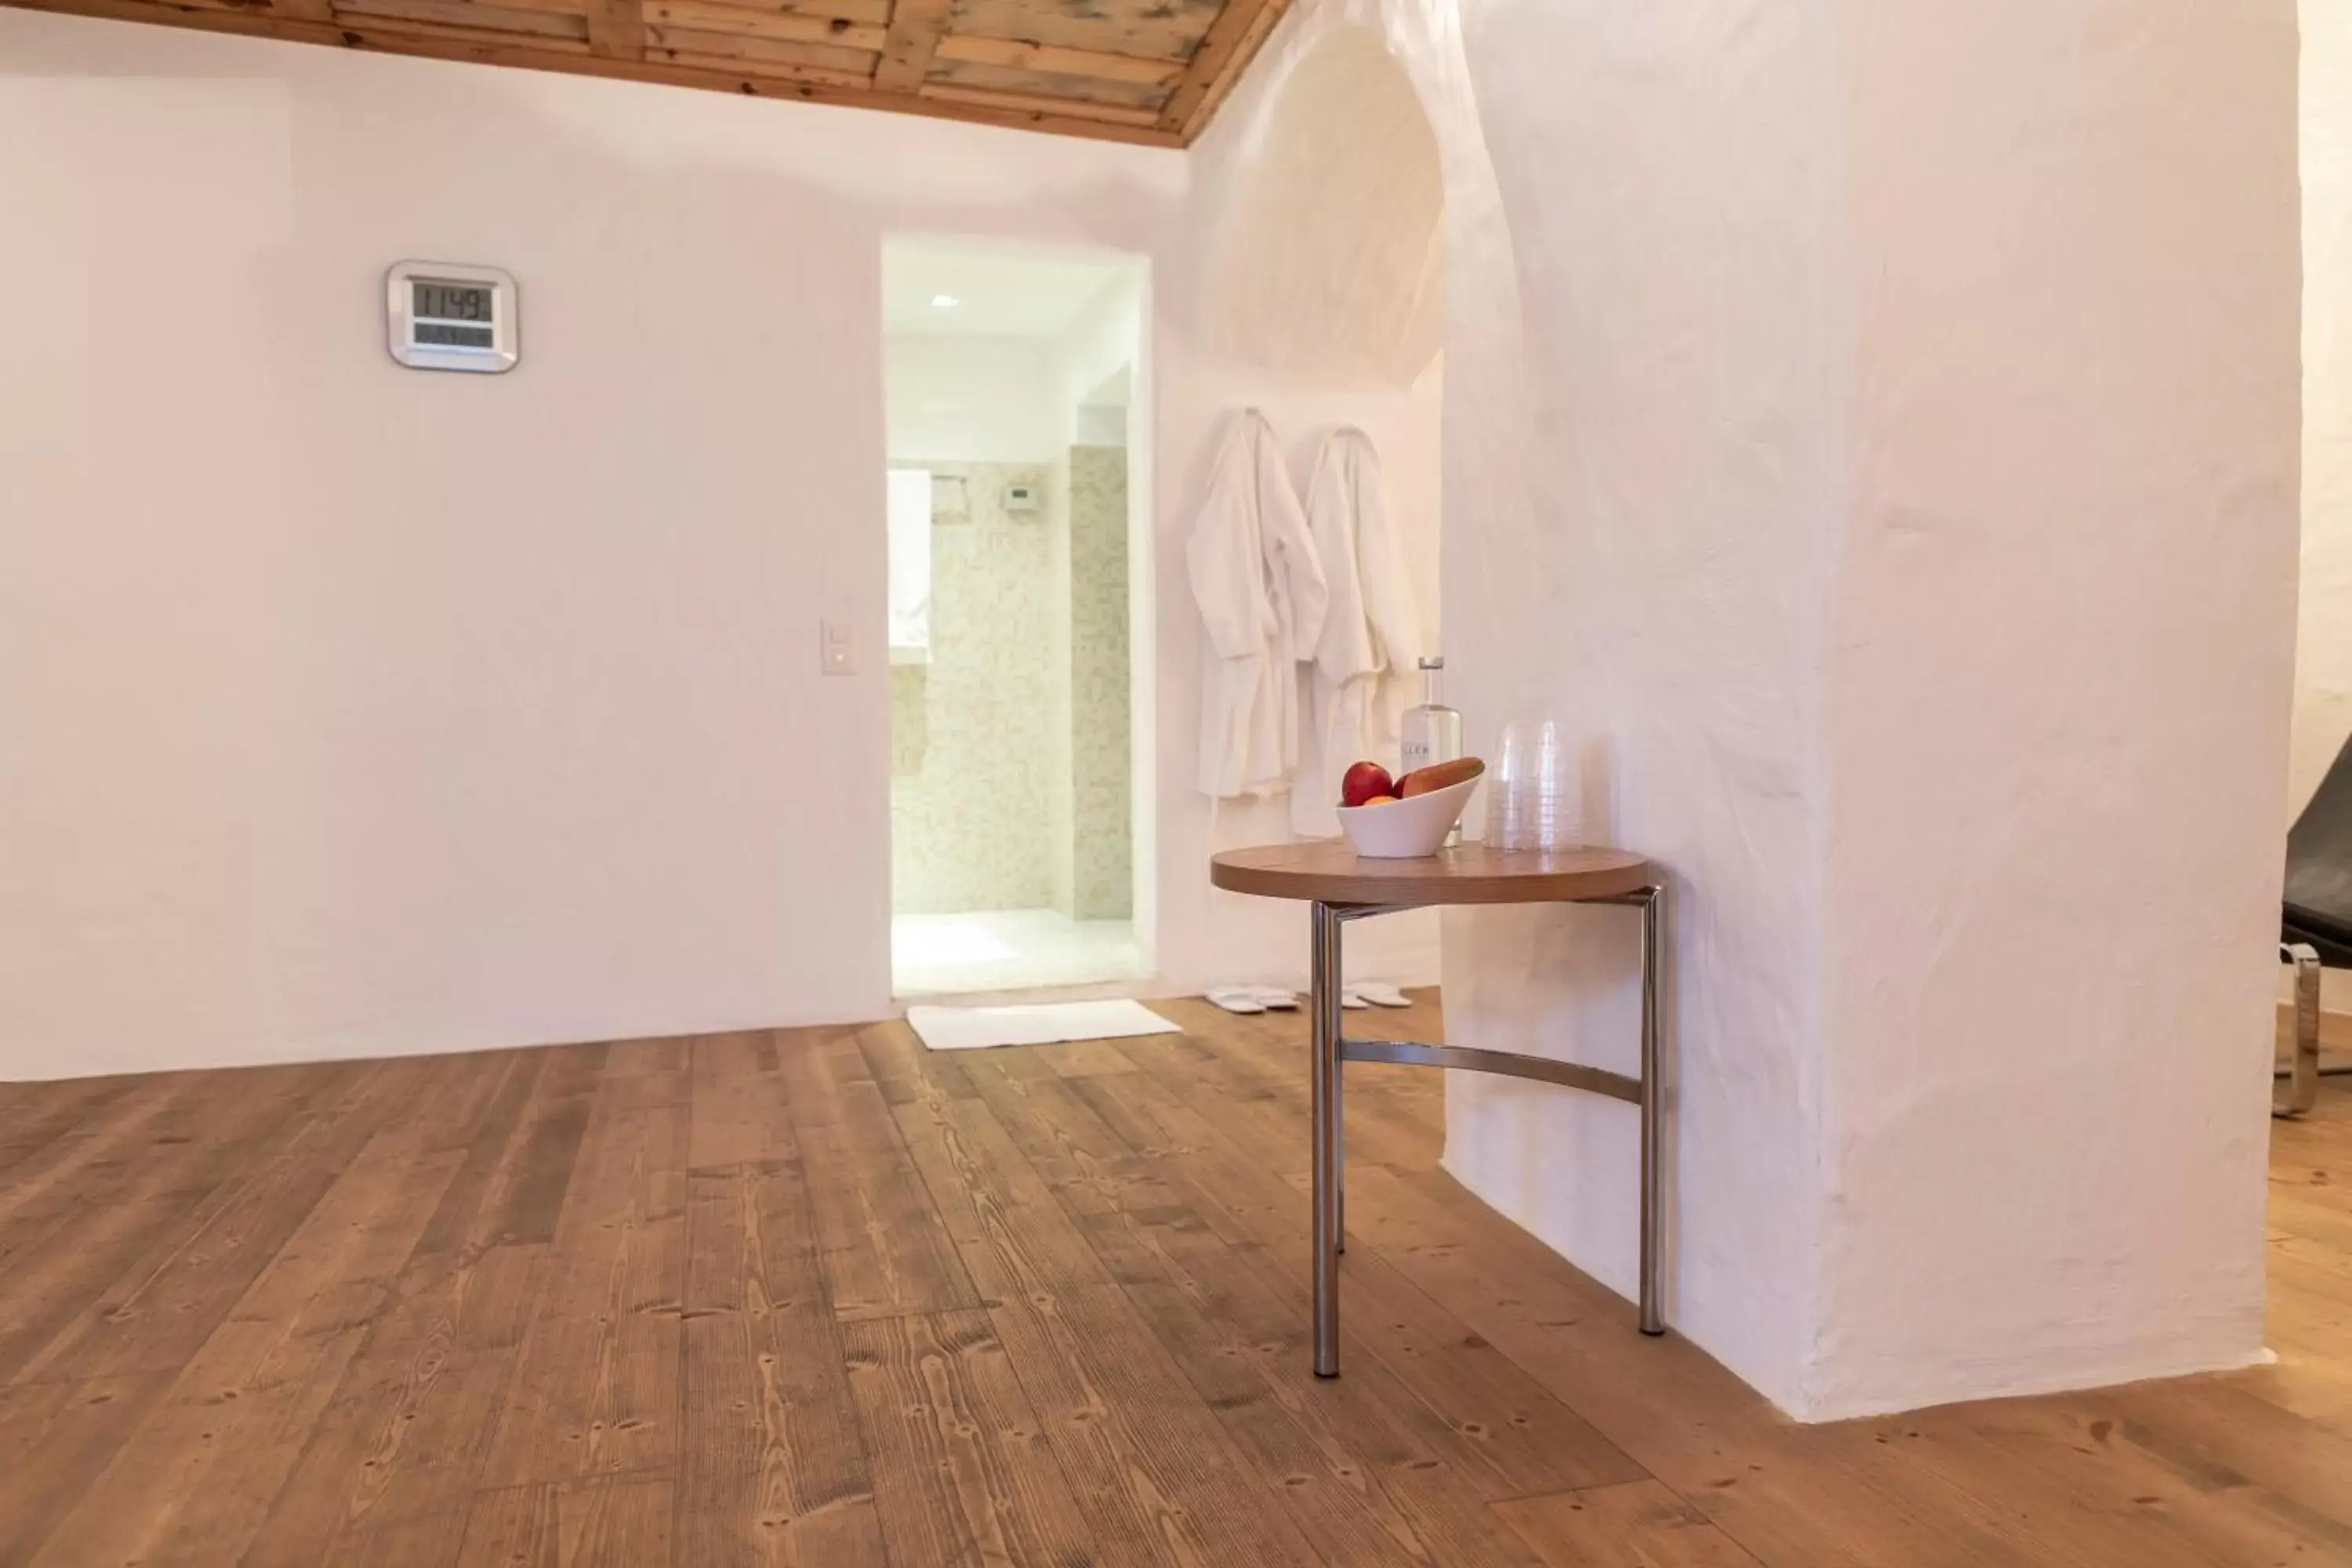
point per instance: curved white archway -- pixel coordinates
(1330, 263)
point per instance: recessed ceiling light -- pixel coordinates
(944, 301)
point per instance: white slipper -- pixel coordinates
(1236, 999)
(1351, 998)
(1276, 997)
(1380, 994)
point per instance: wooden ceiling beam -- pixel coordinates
(616, 29)
(490, 48)
(743, 78)
(778, 26)
(873, 13)
(246, 24)
(1022, 55)
(916, 28)
(1037, 104)
(1225, 49)
(465, 19)
(571, 8)
(1246, 51)
(815, 62)
(851, 52)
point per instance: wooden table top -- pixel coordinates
(1330, 871)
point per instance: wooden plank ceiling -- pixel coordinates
(1151, 71)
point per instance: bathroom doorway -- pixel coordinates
(1012, 378)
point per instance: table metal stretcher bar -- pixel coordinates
(1339, 887)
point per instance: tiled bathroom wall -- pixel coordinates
(974, 745)
(1061, 800)
(1010, 748)
(1102, 882)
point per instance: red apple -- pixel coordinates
(1364, 781)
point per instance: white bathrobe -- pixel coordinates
(1261, 593)
(1365, 661)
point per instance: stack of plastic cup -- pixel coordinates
(1531, 802)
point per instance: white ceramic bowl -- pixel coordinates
(1408, 828)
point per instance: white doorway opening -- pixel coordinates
(1017, 688)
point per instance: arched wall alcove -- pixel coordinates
(1345, 262)
(1368, 127)
(1314, 289)
(1330, 265)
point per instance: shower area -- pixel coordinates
(1009, 380)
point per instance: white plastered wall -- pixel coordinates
(1854, 595)
(356, 710)
(1662, 599)
(1596, 508)
(2322, 676)
(2323, 653)
(347, 710)
(2058, 698)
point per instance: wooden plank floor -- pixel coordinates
(816, 1297)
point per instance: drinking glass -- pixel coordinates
(1532, 802)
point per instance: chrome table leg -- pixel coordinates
(1323, 996)
(1652, 1108)
(1332, 1050)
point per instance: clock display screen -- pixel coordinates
(449, 315)
(451, 301)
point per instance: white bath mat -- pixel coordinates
(976, 1028)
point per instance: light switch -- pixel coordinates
(838, 649)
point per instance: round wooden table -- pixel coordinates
(1339, 886)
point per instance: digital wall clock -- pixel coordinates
(443, 316)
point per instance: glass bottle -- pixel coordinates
(1431, 732)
